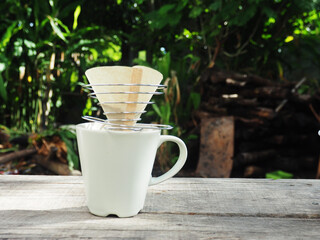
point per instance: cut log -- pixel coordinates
(264, 135)
(230, 101)
(15, 155)
(253, 172)
(266, 92)
(231, 81)
(304, 140)
(259, 112)
(249, 146)
(260, 81)
(271, 92)
(55, 167)
(293, 164)
(4, 137)
(216, 147)
(214, 109)
(250, 121)
(252, 133)
(263, 112)
(318, 171)
(246, 158)
(214, 75)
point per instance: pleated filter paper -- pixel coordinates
(122, 91)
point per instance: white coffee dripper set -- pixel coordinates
(117, 154)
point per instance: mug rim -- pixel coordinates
(81, 126)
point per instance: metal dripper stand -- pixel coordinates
(123, 93)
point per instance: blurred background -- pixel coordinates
(243, 81)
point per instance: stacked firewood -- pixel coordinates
(275, 127)
(33, 154)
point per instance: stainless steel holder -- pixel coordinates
(109, 123)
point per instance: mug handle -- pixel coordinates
(183, 152)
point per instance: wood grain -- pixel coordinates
(55, 224)
(216, 147)
(135, 79)
(181, 208)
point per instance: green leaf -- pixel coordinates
(142, 55)
(51, 2)
(164, 65)
(80, 44)
(215, 6)
(164, 112)
(228, 10)
(73, 80)
(43, 23)
(7, 35)
(29, 44)
(86, 30)
(72, 157)
(94, 53)
(157, 110)
(157, 21)
(3, 91)
(289, 39)
(141, 62)
(242, 19)
(167, 109)
(75, 17)
(88, 109)
(166, 8)
(36, 13)
(56, 29)
(11, 149)
(62, 25)
(269, 12)
(195, 12)
(192, 137)
(67, 9)
(164, 16)
(181, 5)
(113, 52)
(2, 66)
(196, 99)
(192, 58)
(174, 19)
(279, 175)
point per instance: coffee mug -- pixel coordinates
(117, 165)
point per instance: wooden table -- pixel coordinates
(181, 208)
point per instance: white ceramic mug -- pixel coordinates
(117, 166)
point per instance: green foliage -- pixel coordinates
(10, 149)
(43, 55)
(279, 175)
(75, 17)
(247, 36)
(3, 91)
(174, 108)
(68, 136)
(46, 46)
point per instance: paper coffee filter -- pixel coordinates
(123, 75)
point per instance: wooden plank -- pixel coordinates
(223, 197)
(216, 147)
(63, 224)
(182, 208)
(39, 179)
(241, 197)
